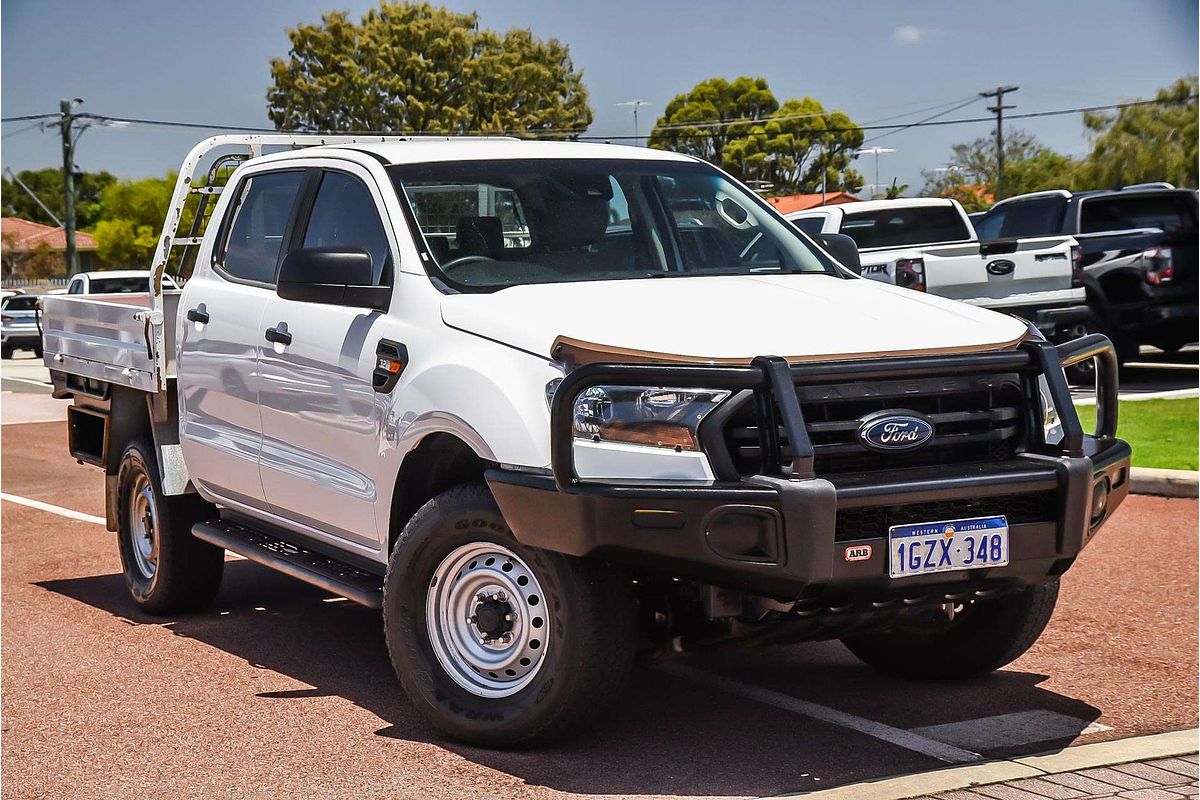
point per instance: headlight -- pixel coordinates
(1052, 432)
(645, 415)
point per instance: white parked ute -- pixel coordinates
(929, 244)
(546, 407)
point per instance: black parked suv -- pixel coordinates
(1139, 257)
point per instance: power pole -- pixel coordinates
(67, 128)
(998, 110)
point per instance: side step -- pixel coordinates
(333, 576)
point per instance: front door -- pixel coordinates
(220, 428)
(321, 419)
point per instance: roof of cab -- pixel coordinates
(479, 148)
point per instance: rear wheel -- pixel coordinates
(498, 644)
(977, 638)
(6, 351)
(167, 570)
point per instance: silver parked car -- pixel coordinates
(19, 324)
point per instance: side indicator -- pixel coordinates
(858, 552)
(390, 360)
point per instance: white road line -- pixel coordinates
(79, 515)
(62, 512)
(895, 736)
(30, 381)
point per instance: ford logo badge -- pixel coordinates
(889, 431)
(1001, 266)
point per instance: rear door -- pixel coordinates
(321, 418)
(219, 334)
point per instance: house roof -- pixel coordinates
(22, 235)
(802, 202)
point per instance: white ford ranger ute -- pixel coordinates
(545, 406)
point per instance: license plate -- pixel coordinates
(929, 547)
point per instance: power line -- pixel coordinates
(924, 121)
(593, 137)
(939, 123)
(27, 117)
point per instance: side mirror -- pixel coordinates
(843, 248)
(335, 276)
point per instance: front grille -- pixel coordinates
(975, 419)
(868, 523)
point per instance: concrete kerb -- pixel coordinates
(1085, 756)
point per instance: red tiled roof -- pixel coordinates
(803, 202)
(21, 235)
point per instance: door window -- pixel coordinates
(344, 215)
(260, 219)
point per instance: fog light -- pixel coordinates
(1099, 500)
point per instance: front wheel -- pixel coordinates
(167, 570)
(498, 644)
(980, 637)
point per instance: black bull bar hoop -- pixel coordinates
(774, 383)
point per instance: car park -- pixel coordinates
(930, 245)
(621, 406)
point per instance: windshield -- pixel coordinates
(491, 224)
(1171, 213)
(24, 302)
(901, 227)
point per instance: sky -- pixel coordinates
(208, 62)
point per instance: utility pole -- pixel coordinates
(998, 110)
(67, 128)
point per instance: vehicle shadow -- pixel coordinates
(670, 736)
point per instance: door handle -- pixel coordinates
(198, 314)
(278, 337)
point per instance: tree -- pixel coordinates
(740, 126)
(894, 191)
(1145, 143)
(132, 214)
(414, 67)
(970, 174)
(797, 146)
(714, 113)
(48, 185)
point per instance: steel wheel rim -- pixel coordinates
(143, 527)
(485, 612)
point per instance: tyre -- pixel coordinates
(37, 351)
(983, 636)
(6, 351)
(498, 644)
(167, 570)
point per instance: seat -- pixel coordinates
(480, 236)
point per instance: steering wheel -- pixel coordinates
(463, 261)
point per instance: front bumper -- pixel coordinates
(789, 534)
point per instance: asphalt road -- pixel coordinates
(282, 691)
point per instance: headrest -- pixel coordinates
(576, 222)
(480, 236)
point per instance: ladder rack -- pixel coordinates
(247, 146)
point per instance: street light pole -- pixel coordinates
(636, 104)
(876, 151)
